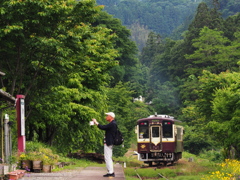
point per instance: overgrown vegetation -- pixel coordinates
(73, 62)
(70, 60)
(75, 164)
(229, 169)
(190, 167)
(203, 167)
(34, 149)
(182, 170)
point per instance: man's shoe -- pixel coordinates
(109, 175)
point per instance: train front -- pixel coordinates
(159, 139)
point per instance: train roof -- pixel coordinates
(160, 117)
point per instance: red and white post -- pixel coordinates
(20, 107)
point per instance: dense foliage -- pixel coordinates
(61, 55)
(73, 62)
(165, 17)
(159, 16)
(197, 79)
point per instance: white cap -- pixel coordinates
(110, 114)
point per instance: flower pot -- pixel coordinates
(26, 164)
(13, 175)
(37, 164)
(20, 173)
(47, 168)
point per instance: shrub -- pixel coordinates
(229, 170)
(215, 156)
(39, 151)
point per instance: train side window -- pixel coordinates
(167, 129)
(179, 133)
(143, 130)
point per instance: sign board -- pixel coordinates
(22, 112)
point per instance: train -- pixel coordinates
(159, 139)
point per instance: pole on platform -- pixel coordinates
(20, 107)
(6, 138)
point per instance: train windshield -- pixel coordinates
(167, 129)
(143, 130)
(155, 132)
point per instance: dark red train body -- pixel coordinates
(160, 139)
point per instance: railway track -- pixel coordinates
(160, 175)
(160, 166)
(154, 167)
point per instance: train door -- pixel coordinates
(155, 138)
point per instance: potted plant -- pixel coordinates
(47, 164)
(49, 160)
(25, 160)
(36, 158)
(13, 161)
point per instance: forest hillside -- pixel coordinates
(73, 61)
(169, 18)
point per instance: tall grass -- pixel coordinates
(75, 164)
(182, 170)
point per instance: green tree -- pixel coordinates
(225, 115)
(126, 48)
(210, 18)
(206, 56)
(216, 110)
(227, 7)
(231, 25)
(208, 83)
(189, 89)
(152, 47)
(53, 56)
(195, 140)
(166, 98)
(163, 80)
(165, 66)
(213, 52)
(138, 83)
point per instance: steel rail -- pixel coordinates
(162, 176)
(157, 173)
(138, 174)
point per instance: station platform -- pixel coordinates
(88, 173)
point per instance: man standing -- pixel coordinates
(110, 131)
